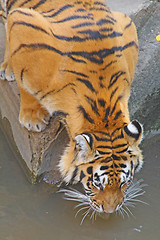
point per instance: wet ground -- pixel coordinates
(37, 212)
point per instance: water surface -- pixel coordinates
(37, 212)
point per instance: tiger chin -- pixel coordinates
(76, 59)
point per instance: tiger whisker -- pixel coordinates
(81, 204)
(80, 210)
(93, 216)
(120, 212)
(124, 211)
(129, 204)
(135, 194)
(73, 199)
(129, 211)
(85, 215)
(134, 190)
(138, 200)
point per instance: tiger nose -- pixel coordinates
(107, 210)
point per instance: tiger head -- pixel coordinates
(105, 163)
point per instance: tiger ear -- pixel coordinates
(133, 132)
(82, 148)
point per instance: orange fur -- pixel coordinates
(76, 59)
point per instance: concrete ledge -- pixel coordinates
(38, 150)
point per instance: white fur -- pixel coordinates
(87, 137)
(132, 128)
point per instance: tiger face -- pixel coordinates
(105, 163)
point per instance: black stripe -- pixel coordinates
(112, 147)
(106, 115)
(115, 77)
(103, 133)
(89, 35)
(25, 2)
(59, 114)
(113, 92)
(47, 94)
(103, 153)
(72, 18)
(85, 114)
(81, 10)
(46, 12)
(22, 72)
(118, 55)
(10, 5)
(104, 167)
(117, 129)
(75, 72)
(39, 4)
(109, 64)
(21, 12)
(35, 27)
(62, 9)
(117, 115)
(93, 105)
(130, 44)
(55, 92)
(138, 163)
(104, 21)
(95, 35)
(122, 151)
(82, 175)
(98, 9)
(74, 174)
(102, 102)
(114, 107)
(107, 160)
(65, 86)
(124, 158)
(47, 47)
(104, 147)
(96, 57)
(118, 137)
(101, 139)
(90, 137)
(38, 46)
(120, 145)
(106, 29)
(128, 25)
(132, 166)
(100, 3)
(90, 170)
(84, 24)
(87, 83)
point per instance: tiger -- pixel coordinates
(75, 59)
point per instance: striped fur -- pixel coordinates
(76, 59)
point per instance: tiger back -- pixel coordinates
(76, 59)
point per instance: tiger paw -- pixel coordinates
(34, 119)
(6, 75)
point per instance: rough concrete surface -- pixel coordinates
(145, 93)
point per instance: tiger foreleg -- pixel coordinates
(32, 114)
(6, 71)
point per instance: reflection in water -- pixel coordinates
(37, 212)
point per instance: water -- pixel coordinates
(36, 212)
